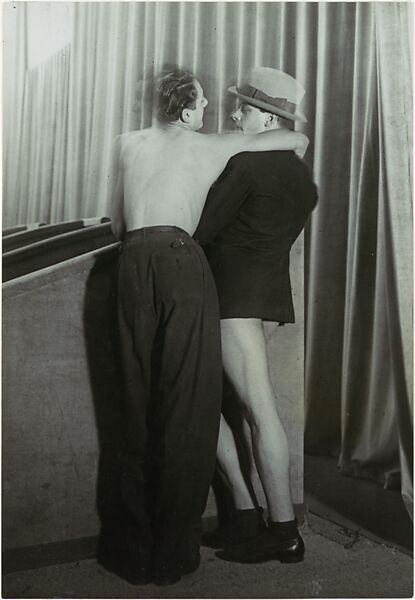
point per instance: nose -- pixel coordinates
(236, 115)
(205, 102)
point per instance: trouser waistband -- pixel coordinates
(143, 232)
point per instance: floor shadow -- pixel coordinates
(365, 504)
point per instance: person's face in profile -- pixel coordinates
(249, 119)
(196, 113)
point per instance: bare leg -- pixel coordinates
(253, 473)
(245, 362)
(246, 522)
(229, 466)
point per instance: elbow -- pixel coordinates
(302, 142)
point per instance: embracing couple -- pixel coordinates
(206, 222)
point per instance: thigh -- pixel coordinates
(270, 328)
(245, 355)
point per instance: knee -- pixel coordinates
(254, 416)
(261, 415)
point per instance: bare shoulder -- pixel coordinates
(132, 138)
(137, 133)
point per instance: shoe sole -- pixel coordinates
(294, 558)
(227, 543)
(165, 579)
(281, 559)
(291, 559)
(131, 577)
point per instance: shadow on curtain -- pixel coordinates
(354, 62)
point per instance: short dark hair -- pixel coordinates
(173, 92)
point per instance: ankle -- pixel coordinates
(283, 529)
(248, 511)
(244, 506)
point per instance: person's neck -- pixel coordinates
(274, 127)
(180, 125)
(271, 128)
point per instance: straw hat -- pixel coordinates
(273, 91)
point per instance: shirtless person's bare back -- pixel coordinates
(163, 174)
(169, 326)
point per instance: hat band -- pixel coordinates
(256, 94)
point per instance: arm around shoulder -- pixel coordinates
(281, 139)
(277, 139)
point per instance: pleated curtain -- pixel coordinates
(359, 292)
(354, 61)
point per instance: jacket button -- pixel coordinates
(177, 243)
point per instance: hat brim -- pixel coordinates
(297, 116)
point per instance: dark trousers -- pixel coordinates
(171, 355)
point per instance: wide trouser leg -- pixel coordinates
(188, 415)
(136, 323)
(170, 330)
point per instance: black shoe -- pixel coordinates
(121, 553)
(170, 574)
(244, 525)
(135, 576)
(265, 547)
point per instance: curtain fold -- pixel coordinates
(354, 62)
(395, 198)
(40, 193)
(15, 40)
(340, 57)
(359, 379)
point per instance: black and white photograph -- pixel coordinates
(207, 299)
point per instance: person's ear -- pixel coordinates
(270, 120)
(185, 117)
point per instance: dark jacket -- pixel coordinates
(253, 214)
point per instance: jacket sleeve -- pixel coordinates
(224, 199)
